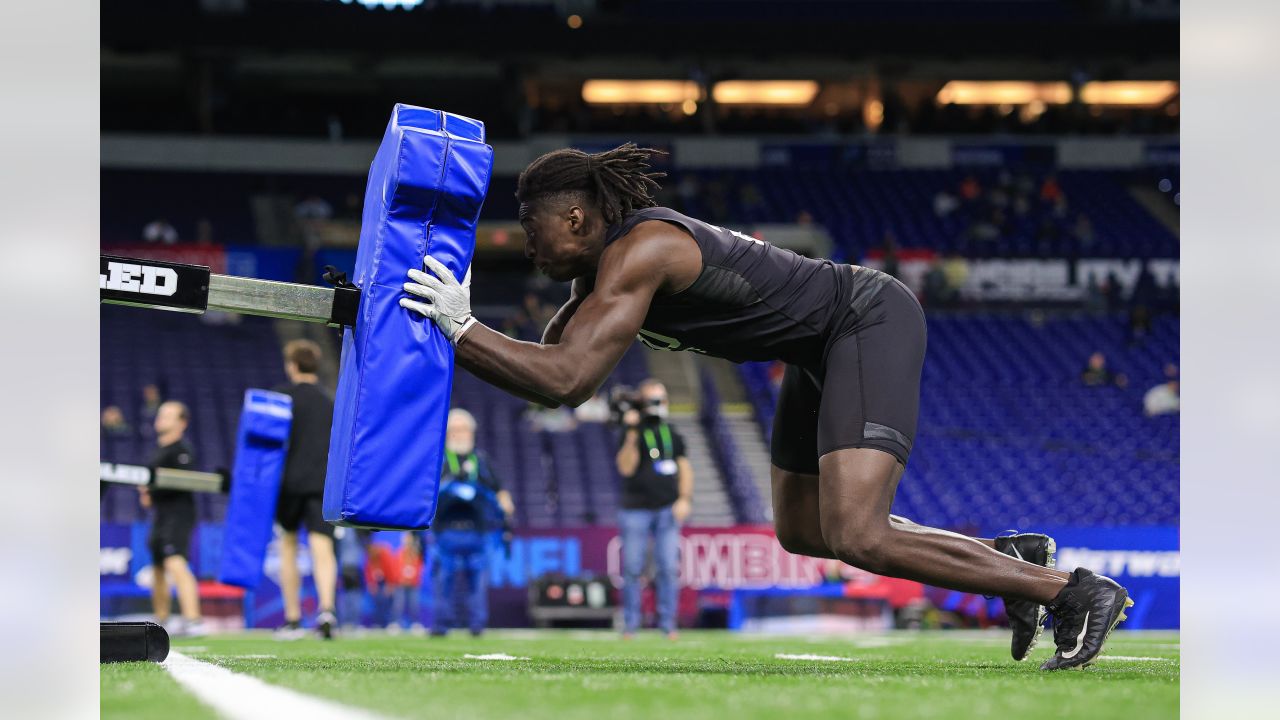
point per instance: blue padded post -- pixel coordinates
(426, 186)
(262, 443)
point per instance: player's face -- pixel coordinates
(555, 241)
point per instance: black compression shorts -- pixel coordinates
(298, 510)
(867, 394)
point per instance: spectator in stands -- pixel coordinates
(970, 189)
(1083, 232)
(160, 231)
(1050, 191)
(151, 399)
(1163, 398)
(956, 268)
(302, 491)
(944, 203)
(656, 496)
(1096, 373)
(936, 292)
(113, 422)
(472, 505)
(173, 520)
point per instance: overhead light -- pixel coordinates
(1003, 92)
(1149, 93)
(765, 92)
(624, 92)
(574, 22)
(873, 114)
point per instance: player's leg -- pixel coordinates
(634, 527)
(666, 558)
(793, 473)
(989, 542)
(160, 601)
(290, 577)
(857, 486)
(176, 568)
(324, 564)
(794, 470)
(866, 427)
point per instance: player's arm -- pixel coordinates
(578, 292)
(593, 340)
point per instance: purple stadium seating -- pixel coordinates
(1010, 437)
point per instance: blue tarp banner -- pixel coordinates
(1145, 560)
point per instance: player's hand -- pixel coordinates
(448, 301)
(681, 509)
(144, 497)
(631, 418)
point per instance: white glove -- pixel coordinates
(448, 301)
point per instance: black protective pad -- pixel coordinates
(134, 642)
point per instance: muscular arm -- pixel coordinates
(600, 331)
(555, 328)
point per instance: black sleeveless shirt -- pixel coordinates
(752, 300)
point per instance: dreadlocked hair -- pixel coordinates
(618, 179)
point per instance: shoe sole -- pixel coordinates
(1051, 560)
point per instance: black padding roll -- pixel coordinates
(134, 642)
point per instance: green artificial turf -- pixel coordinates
(144, 690)
(597, 676)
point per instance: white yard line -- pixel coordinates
(493, 656)
(820, 658)
(242, 697)
(1134, 657)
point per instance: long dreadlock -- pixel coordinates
(616, 179)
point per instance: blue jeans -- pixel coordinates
(637, 526)
(460, 551)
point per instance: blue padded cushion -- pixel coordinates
(426, 186)
(262, 442)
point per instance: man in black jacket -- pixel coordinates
(302, 492)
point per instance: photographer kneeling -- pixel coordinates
(657, 489)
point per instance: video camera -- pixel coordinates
(624, 397)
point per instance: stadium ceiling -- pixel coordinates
(530, 31)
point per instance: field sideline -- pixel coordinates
(597, 676)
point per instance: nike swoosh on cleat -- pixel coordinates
(1016, 554)
(1084, 628)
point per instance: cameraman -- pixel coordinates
(657, 488)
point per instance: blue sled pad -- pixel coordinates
(261, 445)
(425, 190)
